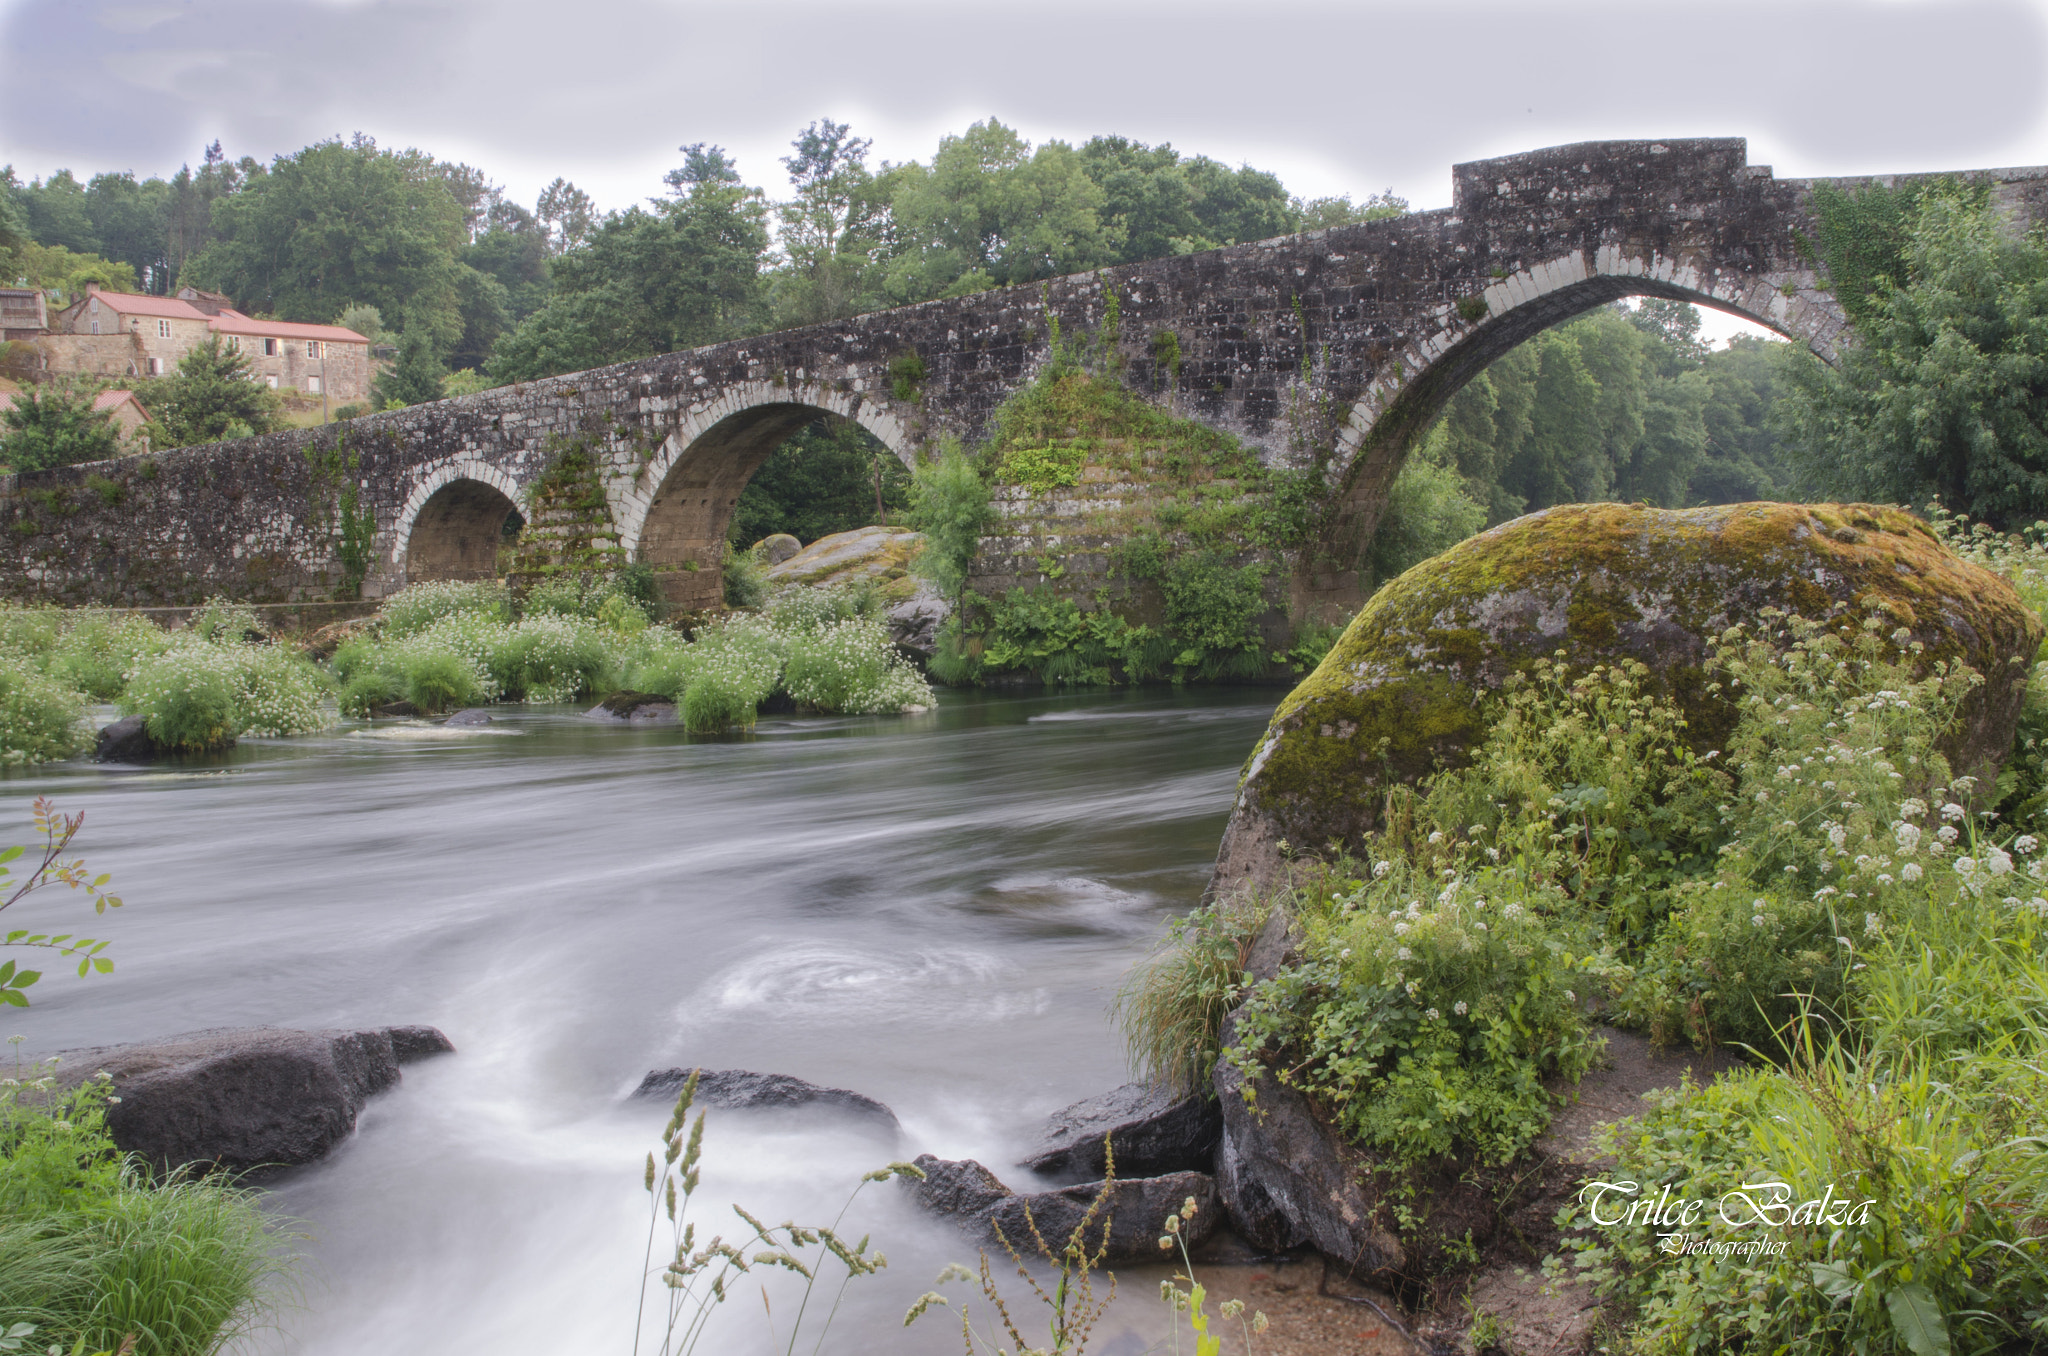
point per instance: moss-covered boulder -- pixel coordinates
(1403, 691)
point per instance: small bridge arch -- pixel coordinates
(674, 515)
(453, 522)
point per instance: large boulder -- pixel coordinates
(915, 622)
(776, 547)
(1403, 690)
(881, 553)
(1150, 1130)
(246, 1098)
(1133, 1218)
(741, 1089)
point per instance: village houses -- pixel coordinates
(123, 334)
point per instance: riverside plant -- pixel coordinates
(697, 1279)
(57, 830)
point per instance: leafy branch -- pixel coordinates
(58, 830)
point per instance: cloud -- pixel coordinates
(1334, 97)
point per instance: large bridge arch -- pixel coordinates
(453, 522)
(674, 516)
(1462, 340)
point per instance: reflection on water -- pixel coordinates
(932, 910)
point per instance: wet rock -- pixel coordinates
(774, 549)
(1288, 1180)
(956, 1186)
(633, 706)
(739, 1089)
(399, 710)
(126, 741)
(914, 623)
(246, 1098)
(1151, 1131)
(1404, 689)
(1132, 1220)
(469, 718)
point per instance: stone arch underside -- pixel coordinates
(454, 523)
(1401, 405)
(678, 529)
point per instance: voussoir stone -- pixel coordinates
(740, 1089)
(1403, 691)
(1150, 1129)
(246, 1098)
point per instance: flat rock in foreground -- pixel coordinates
(247, 1097)
(1151, 1131)
(1133, 1219)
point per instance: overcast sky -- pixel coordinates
(1334, 97)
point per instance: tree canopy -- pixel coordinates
(209, 398)
(56, 425)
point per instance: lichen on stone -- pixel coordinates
(1404, 691)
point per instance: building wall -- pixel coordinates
(344, 369)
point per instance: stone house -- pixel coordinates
(115, 334)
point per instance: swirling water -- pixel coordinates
(933, 910)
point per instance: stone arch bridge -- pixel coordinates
(1376, 326)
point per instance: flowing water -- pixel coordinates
(933, 910)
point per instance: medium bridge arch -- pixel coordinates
(454, 522)
(677, 523)
(1461, 341)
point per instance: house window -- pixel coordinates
(95, 324)
(270, 348)
(156, 367)
(312, 385)
(163, 329)
(312, 348)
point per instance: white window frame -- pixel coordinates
(312, 348)
(270, 348)
(163, 329)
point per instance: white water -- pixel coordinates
(935, 911)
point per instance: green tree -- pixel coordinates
(56, 425)
(686, 273)
(131, 220)
(991, 212)
(188, 213)
(339, 223)
(211, 397)
(1945, 391)
(415, 378)
(949, 503)
(58, 214)
(1742, 460)
(830, 231)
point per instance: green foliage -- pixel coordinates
(48, 868)
(586, 593)
(213, 396)
(199, 695)
(906, 377)
(1946, 393)
(41, 717)
(949, 503)
(93, 1252)
(417, 606)
(1212, 608)
(744, 579)
(1172, 1004)
(417, 376)
(1428, 512)
(56, 425)
(1052, 467)
(97, 650)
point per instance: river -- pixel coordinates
(933, 910)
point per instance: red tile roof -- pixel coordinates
(227, 322)
(234, 322)
(105, 400)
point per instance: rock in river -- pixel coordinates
(1150, 1129)
(126, 741)
(1133, 1219)
(634, 706)
(248, 1097)
(738, 1089)
(1404, 689)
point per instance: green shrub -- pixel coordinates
(416, 607)
(659, 662)
(369, 688)
(1172, 1004)
(440, 680)
(98, 650)
(30, 633)
(556, 658)
(41, 719)
(1212, 608)
(745, 580)
(224, 619)
(187, 697)
(850, 666)
(92, 1251)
